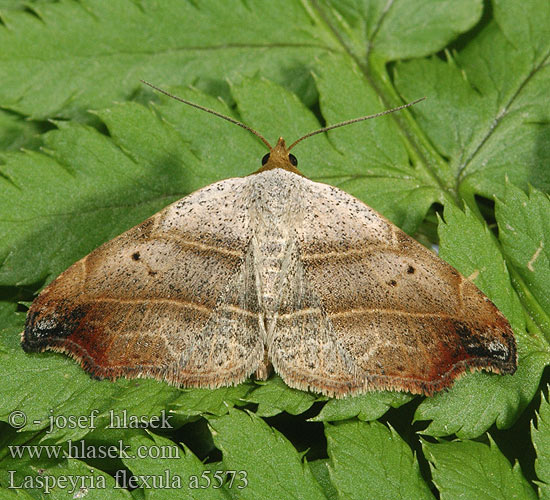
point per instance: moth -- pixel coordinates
(271, 270)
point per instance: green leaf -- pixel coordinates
(212, 401)
(404, 33)
(16, 133)
(472, 470)
(277, 471)
(88, 57)
(20, 4)
(488, 96)
(7, 494)
(541, 442)
(320, 469)
(368, 406)
(370, 460)
(275, 397)
(477, 400)
(165, 470)
(57, 478)
(402, 29)
(469, 246)
(524, 231)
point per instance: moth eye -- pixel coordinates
(265, 158)
(293, 159)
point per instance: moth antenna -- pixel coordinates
(355, 120)
(211, 111)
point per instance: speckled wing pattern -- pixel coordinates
(374, 309)
(273, 268)
(172, 298)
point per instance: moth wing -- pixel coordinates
(173, 298)
(369, 308)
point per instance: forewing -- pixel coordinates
(377, 310)
(173, 298)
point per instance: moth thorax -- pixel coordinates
(275, 222)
